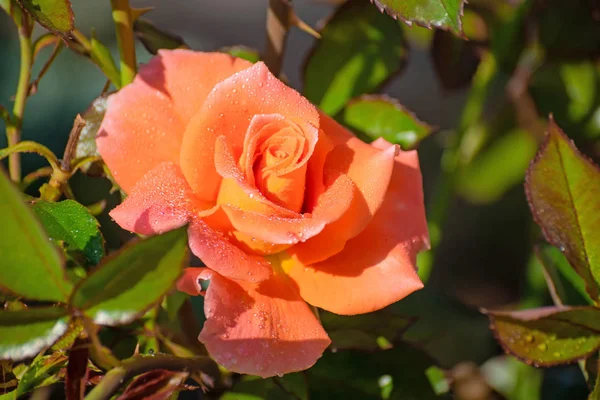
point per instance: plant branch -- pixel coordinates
(124, 25)
(31, 147)
(279, 19)
(13, 131)
(57, 48)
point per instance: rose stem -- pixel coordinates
(13, 129)
(124, 26)
(278, 24)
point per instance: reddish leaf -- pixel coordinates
(77, 370)
(155, 385)
(550, 335)
(563, 189)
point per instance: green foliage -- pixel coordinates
(23, 333)
(102, 57)
(30, 266)
(571, 91)
(359, 50)
(247, 53)
(360, 374)
(154, 38)
(364, 331)
(563, 189)
(71, 226)
(445, 14)
(130, 281)
(55, 15)
(572, 287)
(548, 336)
(380, 116)
(499, 167)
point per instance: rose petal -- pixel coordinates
(281, 180)
(228, 111)
(370, 169)
(190, 280)
(140, 130)
(260, 329)
(187, 76)
(161, 201)
(279, 230)
(219, 254)
(236, 191)
(377, 267)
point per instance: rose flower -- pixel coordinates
(285, 207)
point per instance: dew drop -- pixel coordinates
(542, 347)
(529, 338)
(280, 375)
(556, 354)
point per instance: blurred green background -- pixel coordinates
(485, 256)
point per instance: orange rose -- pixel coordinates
(284, 205)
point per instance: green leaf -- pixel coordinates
(563, 189)
(572, 284)
(364, 331)
(498, 168)
(382, 116)
(133, 279)
(571, 91)
(443, 14)
(357, 374)
(72, 224)
(30, 266)
(43, 371)
(103, 59)
(550, 335)
(359, 50)
(55, 15)
(24, 333)
(247, 53)
(154, 38)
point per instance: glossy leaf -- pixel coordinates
(444, 14)
(550, 335)
(72, 225)
(359, 50)
(247, 53)
(25, 332)
(563, 189)
(54, 15)
(131, 280)
(154, 38)
(382, 116)
(498, 168)
(102, 57)
(30, 266)
(364, 331)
